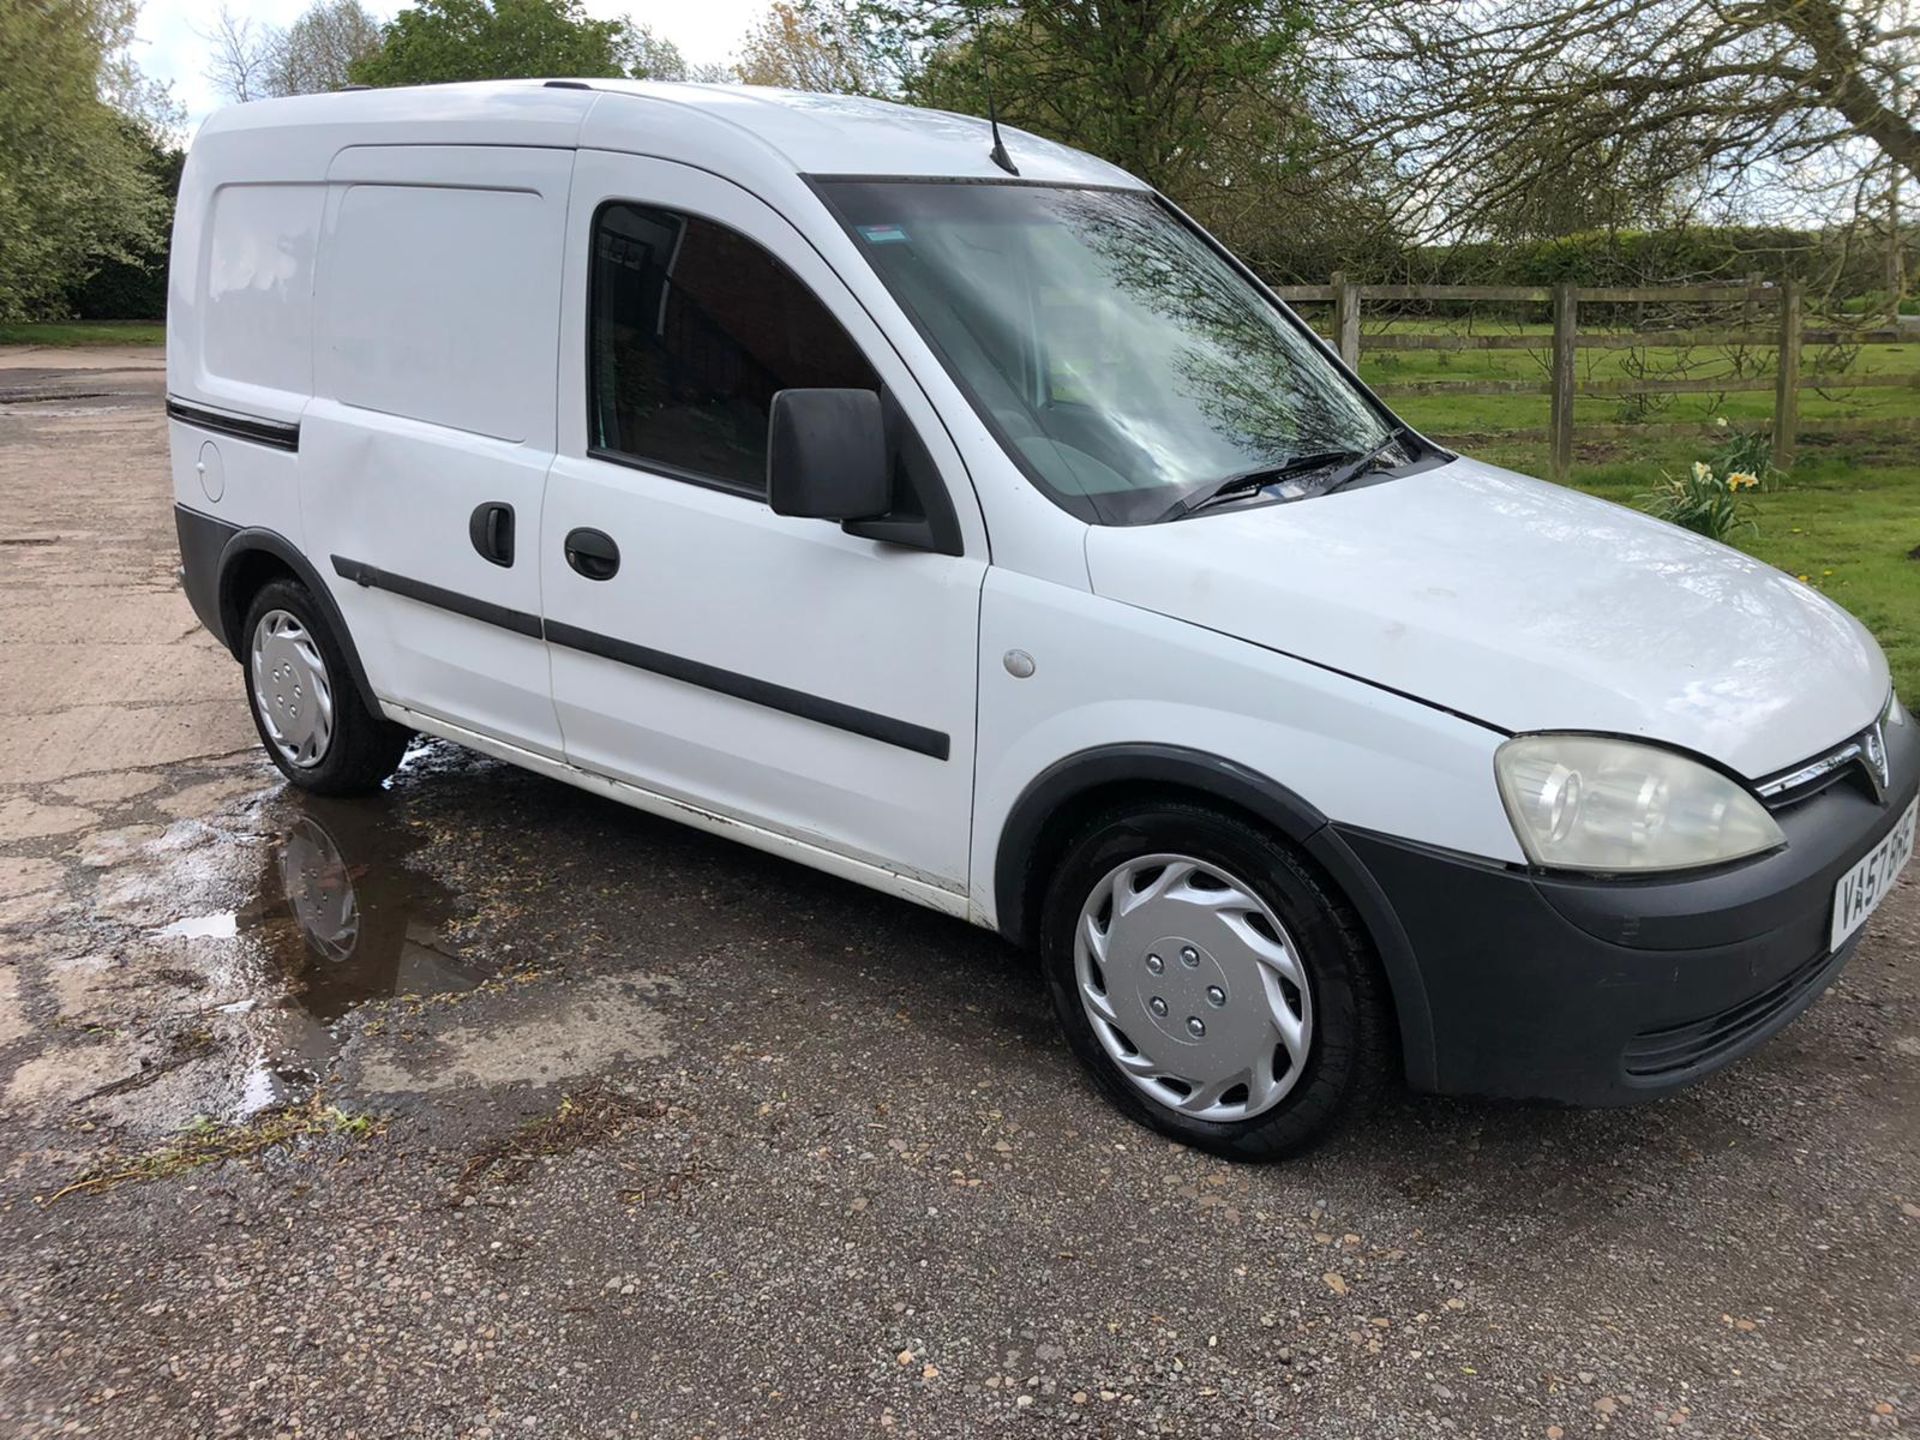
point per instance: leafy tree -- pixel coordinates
(1215, 102)
(1183, 93)
(792, 48)
(318, 51)
(654, 57)
(136, 288)
(75, 191)
(443, 40)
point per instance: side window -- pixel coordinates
(693, 328)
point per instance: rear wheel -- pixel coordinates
(1216, 988)
(309, 713)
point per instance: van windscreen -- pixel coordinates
(1123, 361)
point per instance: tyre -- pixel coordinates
(1212, 982)
(305, 705)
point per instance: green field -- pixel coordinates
(85, 332)
(1462, 414)
(1846, 519)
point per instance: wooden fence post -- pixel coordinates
(1566, 326)
(1346, 319)
(1786, 395)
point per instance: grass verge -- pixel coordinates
(85, 332)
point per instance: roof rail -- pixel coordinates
(568, 85)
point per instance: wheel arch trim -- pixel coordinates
(1242, 788)
(233, 621)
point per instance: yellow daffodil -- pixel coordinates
(1741, 480)
(1702, 472)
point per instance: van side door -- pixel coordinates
(425, 449)
(811, 682)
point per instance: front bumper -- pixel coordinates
(1608, 992)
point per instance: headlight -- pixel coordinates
(1583, 802)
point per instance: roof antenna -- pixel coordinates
(998, 154)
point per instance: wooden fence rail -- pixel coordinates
(1787, 335)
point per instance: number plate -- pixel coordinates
(1866, 884)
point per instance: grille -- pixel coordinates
(1659, 1054)
(1852, 759)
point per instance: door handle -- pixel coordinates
(491, 530)
(593, 554)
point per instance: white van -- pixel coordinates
(972, 526)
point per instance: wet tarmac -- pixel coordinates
(544, 1117)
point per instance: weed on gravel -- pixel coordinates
(212, 1142)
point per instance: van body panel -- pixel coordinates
(738, 130)
(1105, 675)
(711, 582)
(1523, 604)
(438, 301)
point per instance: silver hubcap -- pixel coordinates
(319, 890)
(291, 689)
(1194, 987)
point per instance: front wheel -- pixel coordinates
(1213, 984)
(309, 714)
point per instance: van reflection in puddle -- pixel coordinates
(366, 926)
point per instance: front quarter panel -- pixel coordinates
(1108, 674)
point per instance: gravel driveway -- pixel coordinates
(489, 1108)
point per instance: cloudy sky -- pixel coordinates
(171, 48)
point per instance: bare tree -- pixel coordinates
(1482, 106)
(241, 56)
(251, 60)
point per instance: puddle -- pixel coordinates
(223, 925)
(339, 915)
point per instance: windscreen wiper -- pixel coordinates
(1241, 481)
(1347, 474)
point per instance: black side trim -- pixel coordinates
(277, 433)
(518, 621)
(203, 541)
(884, 728)
(1025, 842)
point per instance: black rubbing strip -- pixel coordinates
(917, 738)
(518, 621)
(280, 434)
(884, 728)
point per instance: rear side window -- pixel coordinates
(693, 328)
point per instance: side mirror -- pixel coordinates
(827, 455)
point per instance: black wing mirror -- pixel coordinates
(827, 455)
